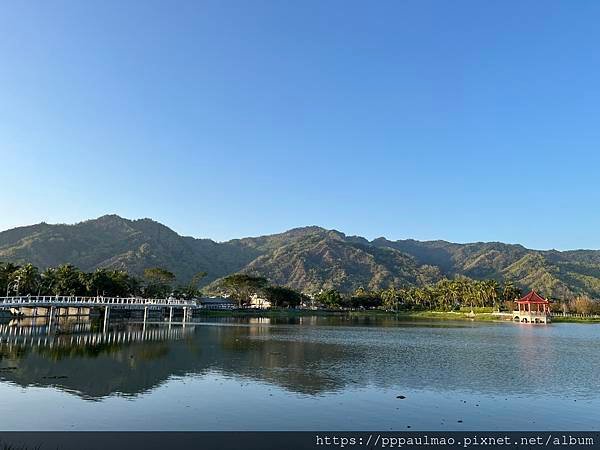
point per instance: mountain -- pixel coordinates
(308, 259)
(325, 259)
(559, 274)
(132, 245)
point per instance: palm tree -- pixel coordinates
(455, 291)
(492, 288)
(420, 296)
(28, 279)
(6, 275)
(389, 298)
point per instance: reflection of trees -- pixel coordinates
(312, 360)
(250, 352)
(130, 369)
(12, 353)
(78, 351)
(156, 351)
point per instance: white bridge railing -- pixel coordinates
(64, 301)
(531, 313)
(588, 316)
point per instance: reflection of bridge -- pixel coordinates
(40, 336)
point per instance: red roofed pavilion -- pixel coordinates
(533, 308)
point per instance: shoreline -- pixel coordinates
(479, 316)
(413, 315)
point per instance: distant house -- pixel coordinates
(259, 302)
(216, 303)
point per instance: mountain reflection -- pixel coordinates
(307, 356)
(128, 360)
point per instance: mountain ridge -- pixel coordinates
(307, 258)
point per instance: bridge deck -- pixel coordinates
(85, 302)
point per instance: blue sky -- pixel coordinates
(462, 120)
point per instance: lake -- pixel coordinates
(303, 373)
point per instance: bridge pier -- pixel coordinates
(50, 317)
(145, 319)
(106, 318)
(187, 314)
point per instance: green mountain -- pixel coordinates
(308, 259)
(322, 259)
(114, 242)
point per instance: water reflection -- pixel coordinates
(311, 356)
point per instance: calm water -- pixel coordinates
(303, 374)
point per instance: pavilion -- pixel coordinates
(533, 308)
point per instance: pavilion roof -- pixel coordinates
(533, 297)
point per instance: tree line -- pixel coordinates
(156, 282)
(243, 288)
(68, 280)
(448, 295)
(582, 304)
(445, 295)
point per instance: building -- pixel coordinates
(216, 303)
(532, 309)
(259, 302)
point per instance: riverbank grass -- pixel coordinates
(480, 314)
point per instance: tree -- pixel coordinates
(510, 293)
(111, 283)
(583, 305)
(442, 293)
(240, 287)
(159, 282)
(159, 275)
(423, 297)
(283, 297)
(362, 298)
(329, 298)
(390, 298)
(66, 280)
(48, 281)
(491, 289)
(99, 283)
(6, 272)
(192, 289)
(26, 280)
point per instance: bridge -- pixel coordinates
(52, 306)
(47, 301)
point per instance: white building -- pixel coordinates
(259, 302)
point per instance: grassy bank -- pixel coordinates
(450, 315)
(428, 315)
(483, 316)
(269, 313)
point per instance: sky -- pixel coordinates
(464, 120)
